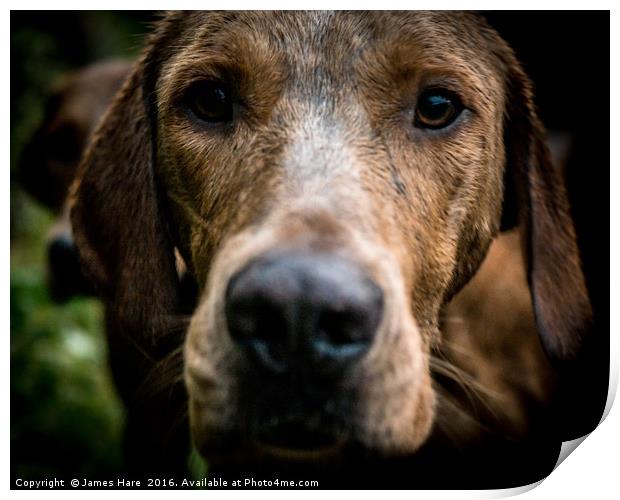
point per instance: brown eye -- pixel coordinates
(210, 102)
(437, 108)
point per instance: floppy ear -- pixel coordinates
(559, 295)
(118, 225)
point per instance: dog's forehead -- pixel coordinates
(304, 37)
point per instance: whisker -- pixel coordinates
(474, 390)
(165, 375)
(452, 420)
(451, 372)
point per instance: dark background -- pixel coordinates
(567, 56)
(65, 416)
(66, 420)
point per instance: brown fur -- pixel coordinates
(321, 155)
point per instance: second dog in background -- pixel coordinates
(51, 158)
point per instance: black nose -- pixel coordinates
(65, 275)
(312, 312)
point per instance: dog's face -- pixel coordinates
(330, 180)
(342, 142)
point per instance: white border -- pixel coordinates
(589, 472)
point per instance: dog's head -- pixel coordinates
(330, 180)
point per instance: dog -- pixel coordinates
(50, 160)
(330, 181)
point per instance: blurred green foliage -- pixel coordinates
(65, 416)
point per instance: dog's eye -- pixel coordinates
(437, 108)
(210, 102)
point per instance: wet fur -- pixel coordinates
(323, 156)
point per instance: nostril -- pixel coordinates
(248, 318)
(339, 328)
(346, 330)
(257, 326)
(270, 356)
